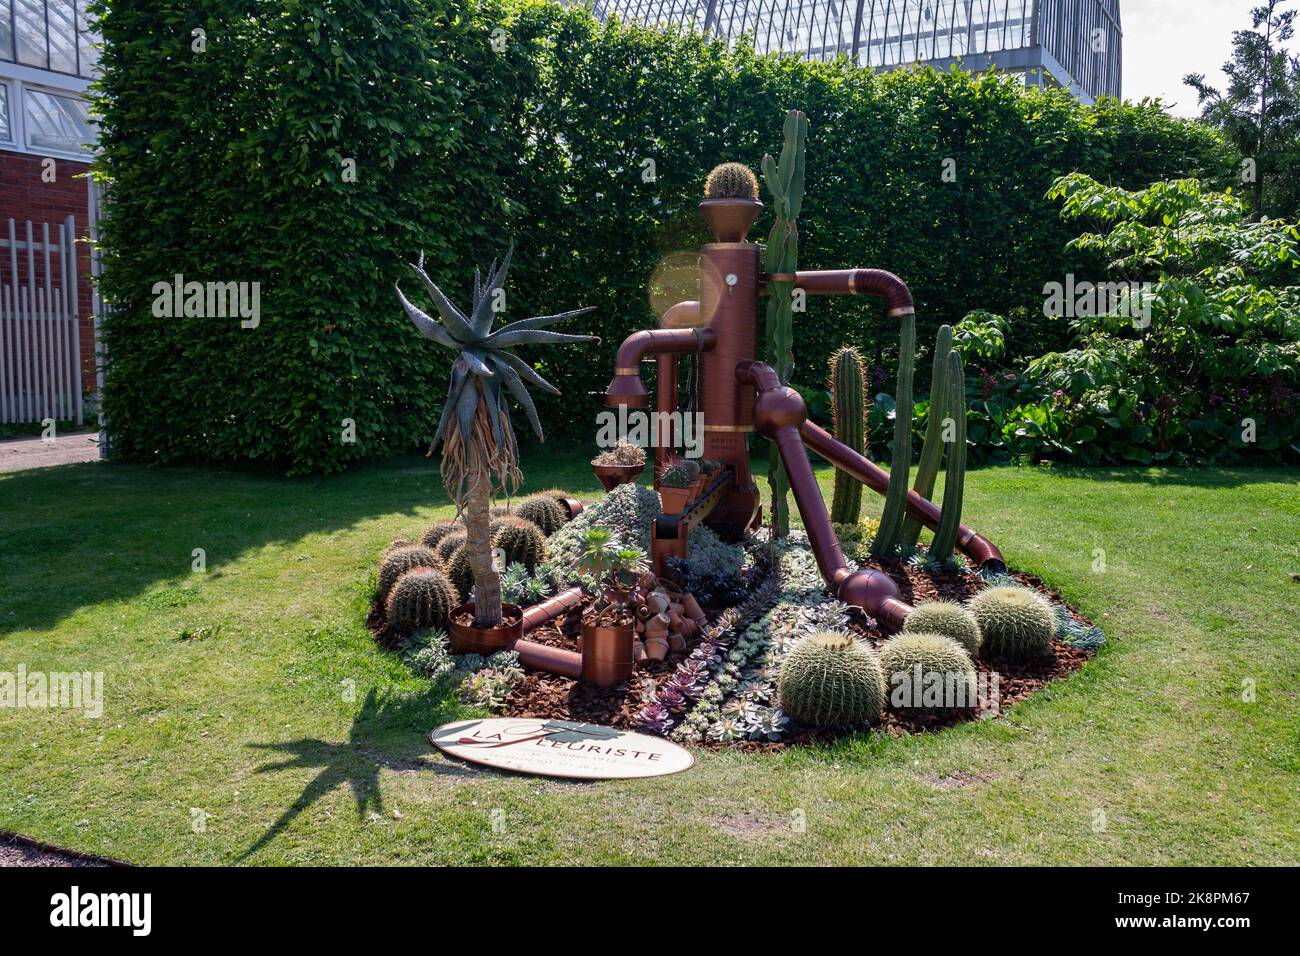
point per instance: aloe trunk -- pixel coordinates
(891, 518)
(478, 545)
(848, 407)
(945, 536)
(927, 467)
(785, 182)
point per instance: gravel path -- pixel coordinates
(14, 851)
(20, 454)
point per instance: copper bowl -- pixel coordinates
(468, 639)
(611, 476)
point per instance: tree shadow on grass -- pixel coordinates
(110, 532)
(383, 736)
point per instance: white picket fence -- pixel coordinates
(40, 341)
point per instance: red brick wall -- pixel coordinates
(24, 196)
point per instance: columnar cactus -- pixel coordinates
(895, 510)
(436, 532)
(544, 511)
(1016, 623)
(522, 541)
(927, 672)
(927, 466)
(781, 258)
(849, 410)
(831, 680)
(945, 535)
(422, 597)
(400, 560)
(731, 181)
(947, 618)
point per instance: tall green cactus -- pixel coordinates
(945, 536)
(849, 410)
(927, 467)
(781, 257)
(891, 518)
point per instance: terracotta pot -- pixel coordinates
(607, 656)
(656, 648)
(611, 476)
(572, 505)
(693, 609)
(674, 500)
(467, 639)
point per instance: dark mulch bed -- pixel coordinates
(549, 696)
(18, 850)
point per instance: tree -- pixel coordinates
(1259, 108)
(479, 452)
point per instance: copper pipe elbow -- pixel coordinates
(875, 282)
(627, 389)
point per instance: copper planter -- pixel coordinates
(468, 639)
(606, 653)
(611, 476)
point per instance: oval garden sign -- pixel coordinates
(560, 748)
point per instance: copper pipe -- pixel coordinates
(876, 282)
(665, 402)
(556, 660)
(684, 315)
(626, 388)
(551, 608)
(980, 550)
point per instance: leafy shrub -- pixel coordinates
(946, 674)
(832, 680)
(400, 560)
(421, 598)
(259, 130)
(1015, 622)
(949, 619)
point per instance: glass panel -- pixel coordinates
(87, 39)
(57, 122)
(6, 131)
(6, 30)
(63, 36)
(31, 32)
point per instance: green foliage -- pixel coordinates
(422, 597)
(947, 676)
(831, 680)
(849, 406)
(855, 539)
(400, 560)
(523, 587)
(254, 132)
(927, 467)
(890, 534)
(435, 533)
(949, 619)
(1015, 622)
(731, 181)
(544, 511)
(522, 541)
(626, 511)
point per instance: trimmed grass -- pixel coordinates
(249, 699)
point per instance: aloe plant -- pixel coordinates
(479, 453)
(945, 535)
(781, 257)
(849, 409)
(927, 466)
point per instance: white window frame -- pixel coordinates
(9, 112)
(18, 79)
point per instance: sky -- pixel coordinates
(1166, 39)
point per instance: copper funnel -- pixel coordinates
(730, 219)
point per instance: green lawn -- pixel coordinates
(229, 693)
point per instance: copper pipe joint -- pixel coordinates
(553, 660)
(874, 282)
(551, 608)
(683, 315)
(626, 389)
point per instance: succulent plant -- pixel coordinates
(849, 413)
(892, 516)
(479, 451)
(945, 535)
(522, 541)
(831, 680)
(624, 453)
(448, 546)
(949, 619)
(1016, 623)
(927, 672)
(655, 718)
(927, 466)
(770, 724)
(680, 473)
(436, 532)
(400, 560)
(460, 571)
(421, 598)
(731, 181)
(544, 511)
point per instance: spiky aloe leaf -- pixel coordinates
(507, 340)
(541, 321)
(428, 327)
(517, 389)
(453, 320)
(481, 319)
(526, 371)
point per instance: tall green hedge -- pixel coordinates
(227, 164)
